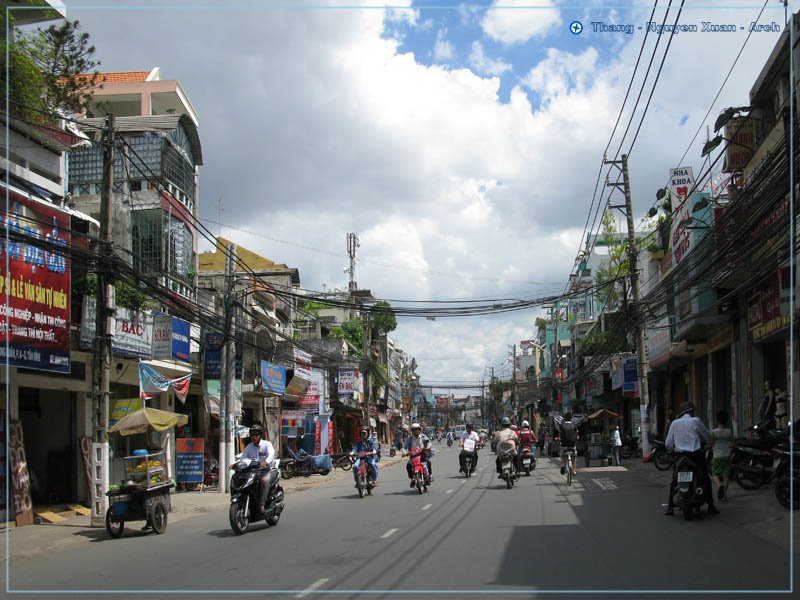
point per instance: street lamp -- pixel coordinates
(728, 114)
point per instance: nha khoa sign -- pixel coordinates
(681, 184)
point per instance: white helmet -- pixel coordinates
(526, 424)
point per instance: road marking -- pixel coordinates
(427, 506)
(388, 533)
(312, 587)
(449, 491)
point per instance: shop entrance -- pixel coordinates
(48, 424)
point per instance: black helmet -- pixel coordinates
(468, 425)
(256, 429)
(687, 408)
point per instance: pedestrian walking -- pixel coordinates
(616, 444)
(722, 440)
(766, 409)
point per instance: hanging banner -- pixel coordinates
(346, 381)
(212, 355)
(35, 286)
(152, 383)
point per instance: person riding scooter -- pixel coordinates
(506, 440)
(687, 435)
(260, 450)
(365, 444)
(417, 439)
(468, 434)
(527, 438)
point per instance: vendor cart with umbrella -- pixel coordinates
(599, 445)
(144, 494)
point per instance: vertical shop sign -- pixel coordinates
(35, 286)
(189, 460)
(20, 480)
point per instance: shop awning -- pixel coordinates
(604, 412)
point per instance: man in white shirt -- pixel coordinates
(687, 435)
(471, 438)
(260, 450)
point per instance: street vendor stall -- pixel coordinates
(144, 494)
(599, 445)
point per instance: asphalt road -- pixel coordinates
(604, 535)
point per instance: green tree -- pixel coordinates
(383, 319)
(49, 70)
(352, 331)
(610, 290)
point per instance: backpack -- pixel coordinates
(568, 434)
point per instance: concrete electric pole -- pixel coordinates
(641, 356)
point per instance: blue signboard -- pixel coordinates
(273, 378)
(189, 460)
(212, 354)
(180, 339)
(631, 376)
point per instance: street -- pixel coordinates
(605, 532)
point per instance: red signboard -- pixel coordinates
(35, 290)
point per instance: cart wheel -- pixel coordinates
(113, 525)
(159, 518)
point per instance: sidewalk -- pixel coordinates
(32, 540)
(756, 511)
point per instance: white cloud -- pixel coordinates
(485, 65)
(505, 23)
(314, 125)
(443, 50)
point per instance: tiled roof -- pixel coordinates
(124, 77)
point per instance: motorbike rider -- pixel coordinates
(528, 438)
(568, 437)
(260, 450)
(468, 434)
(366, 444)
(687, 435)
(417, 439)
(506, 440)
(450, 437)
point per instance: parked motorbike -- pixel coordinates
(660, 456)
(689, 494)
(306, 465)
(419, 470)
(508, 470)
(786, 477)
(630, 447)
(364, 480)
(245, 495)
(755, 461)
(528, 460)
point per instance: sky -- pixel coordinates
(462, 142)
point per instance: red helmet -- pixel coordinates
(513, 428)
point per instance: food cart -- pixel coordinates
(144, 494)
(599, 444)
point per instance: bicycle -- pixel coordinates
(570, 460)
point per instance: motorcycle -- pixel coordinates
(755, 461)
(528, 460)
(419, 470)
(245, 495)
(468, 452)
(660, 456)
(306, 465)
(630, 447)
(508, 470)
(785, 479)
(364, 480)
(689, 495)
(449, 442)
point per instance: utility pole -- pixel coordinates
(514, 401)
(366, 362)
(104, 313)
(226, 449)
(641, 357)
